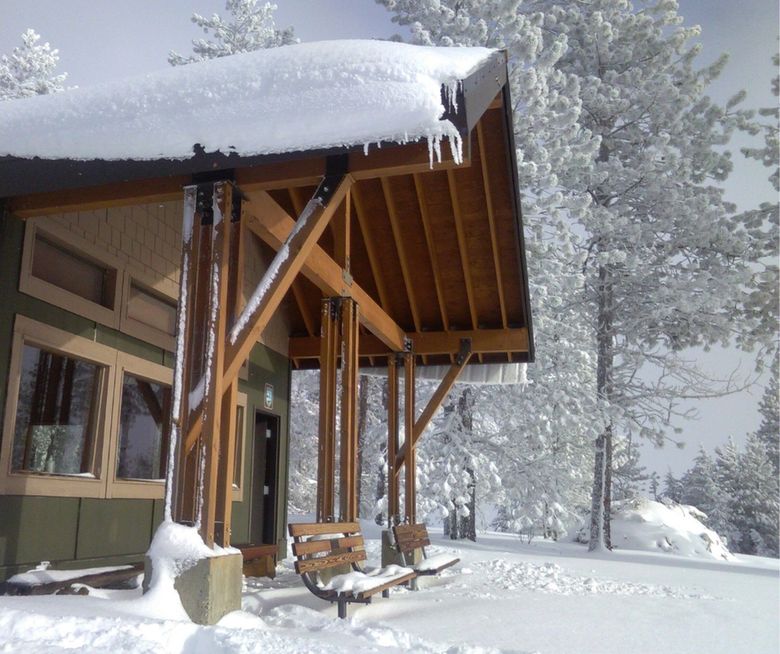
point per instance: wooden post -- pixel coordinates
(214, 358)
(230, 398)
(410, 463)
(392, 440)
(349, 373)
(329, 339)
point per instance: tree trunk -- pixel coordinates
(381, 482)
(601, 498)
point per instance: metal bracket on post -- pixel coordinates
(465, 350)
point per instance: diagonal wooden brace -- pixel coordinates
(436, 400)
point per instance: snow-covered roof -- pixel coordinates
(299, 97)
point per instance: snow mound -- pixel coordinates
(642, 524)
(295, 98)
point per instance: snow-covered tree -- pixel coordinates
(249, 26)
(769, 408)
(665, 265)
(304, 427)
(30, 69)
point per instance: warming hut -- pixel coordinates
(174, 244)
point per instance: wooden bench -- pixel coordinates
(409, 539)
(259, 560)
(328, 557)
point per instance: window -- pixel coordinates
(143, 434)
(59, 269)
(149, 315)
(86, 278)
(87, 420)
(56, 413)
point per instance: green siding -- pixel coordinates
(85, 532)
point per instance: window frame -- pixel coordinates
(162, 290)
(154, 372)
(58, 296)
(30, 332)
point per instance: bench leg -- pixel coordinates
(342, 608)
(386, 592)
(413, 584)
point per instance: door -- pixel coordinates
(262, 524)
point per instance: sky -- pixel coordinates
(101, 40)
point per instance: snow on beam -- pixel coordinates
(322, 270)
(289, 260)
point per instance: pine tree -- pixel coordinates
(30, 69)
(769, 408)
(666, 267)
(250, 26)
(673, 488)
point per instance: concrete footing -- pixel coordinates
(210, 589)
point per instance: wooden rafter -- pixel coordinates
(464, 259)
(429, 240)
(492, 224)
(373, 257)
(398, 239)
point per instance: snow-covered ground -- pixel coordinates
(505, 595)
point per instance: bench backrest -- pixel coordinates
(411, 537)
(321, 545)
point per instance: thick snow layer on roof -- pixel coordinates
(294, 98)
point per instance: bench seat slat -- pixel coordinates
(360, 585)
(330, 561)
(314, 546)
(319, 528)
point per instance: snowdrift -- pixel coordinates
(642, 524)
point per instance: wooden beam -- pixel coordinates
(307, 171)
(436, 400)
(464, 259)
(349, 391)
(300, 241)
(215, 336)
(326, 446)
(429, 240)
(492, 223)
(371, 251)
(410, 459)
(297, 287)
(323, 271)
(398, 239)
(392, 440)
(485, 341)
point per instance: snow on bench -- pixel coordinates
(330, 547)
(409, 538)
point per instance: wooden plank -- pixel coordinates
(418, 530)
(411, 544)
(315, 546)
(325, 273)
(389, 584)
(324, 562)
(289, 260)
(349, 435)
(301, 529)
(297, 288)
(485, 341)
